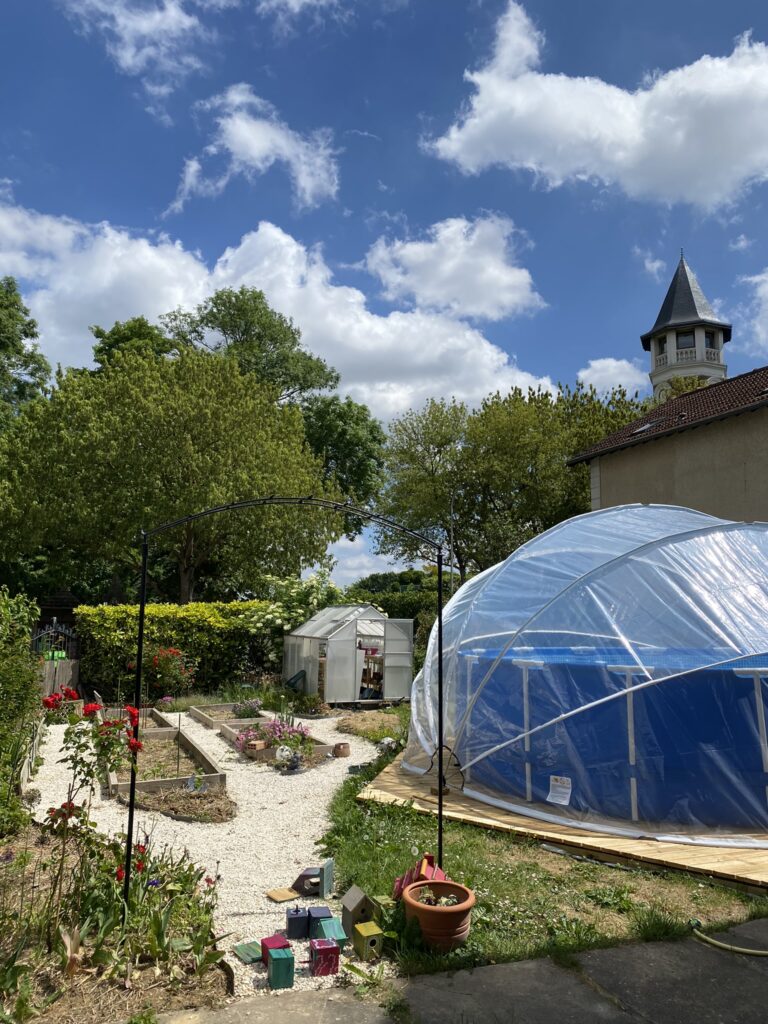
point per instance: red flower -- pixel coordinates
(141, 848)
(69, 693)
(139, 866)
(135, 745)
(89, 710)
(131, 665)
(154, 662)
(209, 881)
(120, 873)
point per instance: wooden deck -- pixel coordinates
(748, 868)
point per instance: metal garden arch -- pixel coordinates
(323, 503)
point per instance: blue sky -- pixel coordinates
(448, 196)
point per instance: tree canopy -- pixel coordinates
(241, 324)
(134, 335)
(145, 441)
(494, 477)
(24, 370)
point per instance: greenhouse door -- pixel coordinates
(398, 658)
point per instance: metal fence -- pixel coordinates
(55, 642)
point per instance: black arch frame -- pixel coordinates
(322, 503)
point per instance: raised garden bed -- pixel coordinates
(215, 715)
(193, 761)
(150, 720)
(230, 730)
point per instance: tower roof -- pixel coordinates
(684, 305)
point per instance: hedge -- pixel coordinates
(223, 638)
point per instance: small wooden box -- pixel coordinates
(297, 923)
(368, 940)
(273, 942)
(280, 968)
(316, 915)
(331, 928)
(324, 955)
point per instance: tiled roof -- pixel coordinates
(684, 303)
(728, 397)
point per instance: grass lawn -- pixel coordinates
(530, 901)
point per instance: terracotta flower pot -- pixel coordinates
(341, 750)
(442, 928)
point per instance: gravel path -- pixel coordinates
(270, 839)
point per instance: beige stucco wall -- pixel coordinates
(720, 468)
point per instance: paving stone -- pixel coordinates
(680, 983)
(530, 992)
(326, 1006)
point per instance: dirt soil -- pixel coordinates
(363, 723)
(212, 806)
(161, 759)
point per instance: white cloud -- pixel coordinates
(290, 8)
(157, 41)
(355, 559)
(605, 374)
(462, 267)
(741, 243)
(652, 266)
(754, 315)
(249, 137)
(75, 274)
(655, 142)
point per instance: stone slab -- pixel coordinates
(323, 1006)
(684, 982)
(530, 992)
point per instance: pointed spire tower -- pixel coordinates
(687, 339)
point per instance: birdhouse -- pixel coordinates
(356, 908)
(424, 870)
(273, 942)
(368, 940)
(297, 923)
(280, 968)
(331, 928)
(324, 954)
(316, 915)
(308, 882)
(326, 878)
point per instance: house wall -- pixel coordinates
(720, 468)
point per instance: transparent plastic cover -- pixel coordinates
(612, 673)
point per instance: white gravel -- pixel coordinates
(270, 839)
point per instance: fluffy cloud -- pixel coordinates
(465, 268)
(249, 137)
(654, 142)
(157, 42)
(741, 243)
(76, 274)
(653, 267)
(754, 315)
(290, 8)
(605, 374)
(354, 559)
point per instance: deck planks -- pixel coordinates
(746, 867)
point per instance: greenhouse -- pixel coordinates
(612, 674)
(351, 652)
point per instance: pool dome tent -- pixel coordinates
(351, 652)
(612, 673)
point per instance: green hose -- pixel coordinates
(724, 945)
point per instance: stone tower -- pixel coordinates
(687, 339)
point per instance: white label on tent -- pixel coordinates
(559, 789)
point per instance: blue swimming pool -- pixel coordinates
(686, 752)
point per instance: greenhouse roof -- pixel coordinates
(328, 621)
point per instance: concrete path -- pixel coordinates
(683, 982)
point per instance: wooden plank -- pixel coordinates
(746, 866)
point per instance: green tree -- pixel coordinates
(265, 343)
(24, 370)
(501, 469)
(678, 386)
(425, 475)
(134, 335)
(146, 441)
(350, 443)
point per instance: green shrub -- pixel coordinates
(225, 640)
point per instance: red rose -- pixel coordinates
(139, 866)
(89, 710)
(120, 873)
(135, 745)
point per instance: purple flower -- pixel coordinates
(154, 882)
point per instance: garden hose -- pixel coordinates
(723, 945)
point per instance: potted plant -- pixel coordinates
(443, 910)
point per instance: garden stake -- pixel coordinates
(345, 508)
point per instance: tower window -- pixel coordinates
(662, 343)
(709, 339)
(685, 339)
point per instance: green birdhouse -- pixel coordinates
(331, 928)
(280, 968)
(368, 940)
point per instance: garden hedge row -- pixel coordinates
(224, 638)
